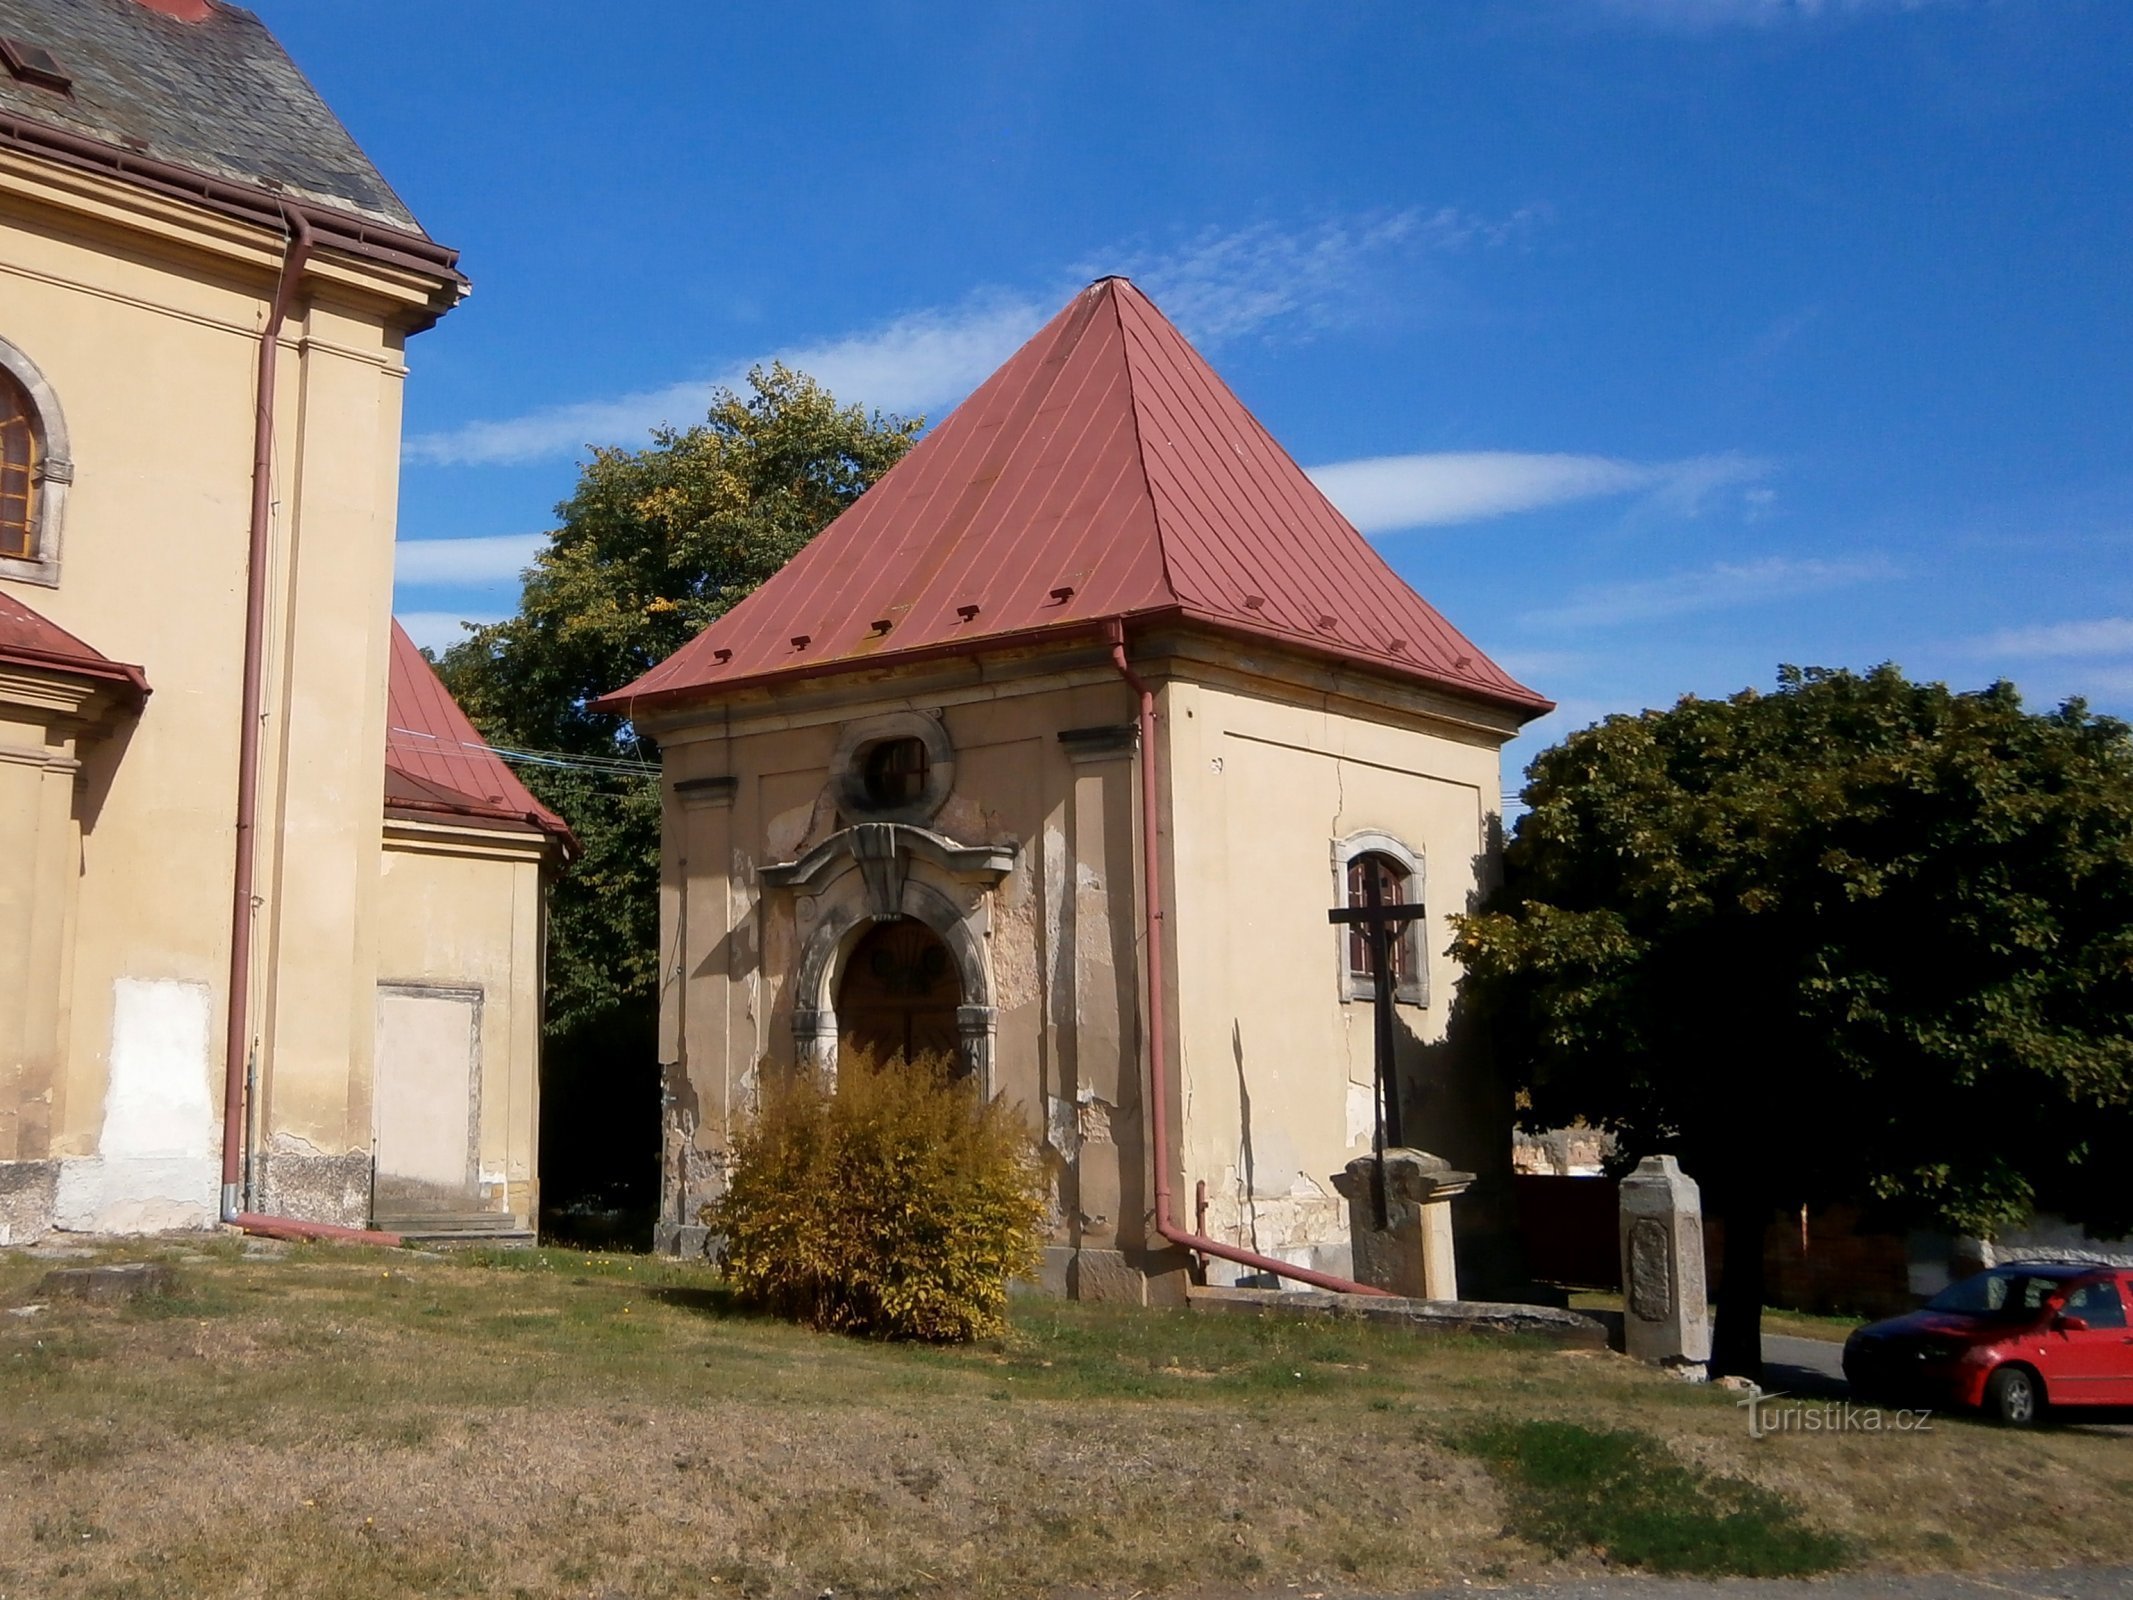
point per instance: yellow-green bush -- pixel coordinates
(898, 1204)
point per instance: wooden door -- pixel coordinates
(899, 993)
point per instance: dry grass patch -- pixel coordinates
(353, 1423)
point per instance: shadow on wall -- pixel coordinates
(600, 1133)
(1457, 1101)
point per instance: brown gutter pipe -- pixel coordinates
(1158, 1034)
(238, 1032)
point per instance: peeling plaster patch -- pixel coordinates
(1062, 1125)
(1015, 975)
(1094, 1121)
(137, 1194)
(784, 832)
(1054, 902)
(1086, 877)
(961, 818)
(1362, 1113)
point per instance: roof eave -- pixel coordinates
(1526, 704)
(1522, 703)
(130, 682)
(349, 231)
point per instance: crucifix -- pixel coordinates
(1381, 923)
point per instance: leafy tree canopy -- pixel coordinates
(654, 544)
(1860, 938)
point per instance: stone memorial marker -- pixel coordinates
(1665, 1316)
(1410, 1252)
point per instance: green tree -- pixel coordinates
(653, 545)
(1859, 939)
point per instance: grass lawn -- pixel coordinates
(365, 1423)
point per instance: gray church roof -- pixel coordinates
(218, 95)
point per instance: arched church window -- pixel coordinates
(1399, 878)
(34, 471)
(18, 471)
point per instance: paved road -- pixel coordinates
(2074, 1583)
(1812, 1368)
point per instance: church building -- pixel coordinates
(1055, 751)
(270, 918)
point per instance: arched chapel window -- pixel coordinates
(18, 471)
(1398, 871)
(34, 471)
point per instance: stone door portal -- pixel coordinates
(899, 993)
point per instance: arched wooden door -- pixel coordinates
(899, 993)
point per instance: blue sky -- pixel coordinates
(1655, 341)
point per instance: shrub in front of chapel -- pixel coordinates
(897, 1204)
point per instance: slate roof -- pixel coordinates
(219, 96)
(1105, 471)
(437, 767)
(30, 640)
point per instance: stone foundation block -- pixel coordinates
(315, 1188)
(29, 1191)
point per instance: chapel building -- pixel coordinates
(270, 915)
(1054, 752)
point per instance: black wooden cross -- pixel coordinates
(1381, 924)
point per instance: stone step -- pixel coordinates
(1570, 1329)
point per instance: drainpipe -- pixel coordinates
(1158, 1047)
(238, 1031)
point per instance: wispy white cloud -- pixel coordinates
(1222, 285)
(1704, 16)
(909, 365)
(440, 630)
(493, 559)
(1714, 588)
(1218, 285)
(1385, 493)
(2100, 636)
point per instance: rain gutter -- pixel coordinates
(334, 228)
(1158, 1032)
(238, 1031)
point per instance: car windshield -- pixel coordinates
(2004, 1292)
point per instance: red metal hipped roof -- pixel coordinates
(29, 640)
(1105, 471)
(437, 765)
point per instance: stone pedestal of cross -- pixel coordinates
(1381, 923)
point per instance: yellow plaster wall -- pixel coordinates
(1275, 1069)
(460, 912)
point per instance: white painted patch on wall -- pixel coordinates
(157, 1101)
(155, 1167)
(1362, 1112)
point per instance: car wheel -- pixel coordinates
(2013, 1397)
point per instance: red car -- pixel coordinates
(2009, 1341)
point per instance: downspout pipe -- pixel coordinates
(1158, 1030)
(238, 1032)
